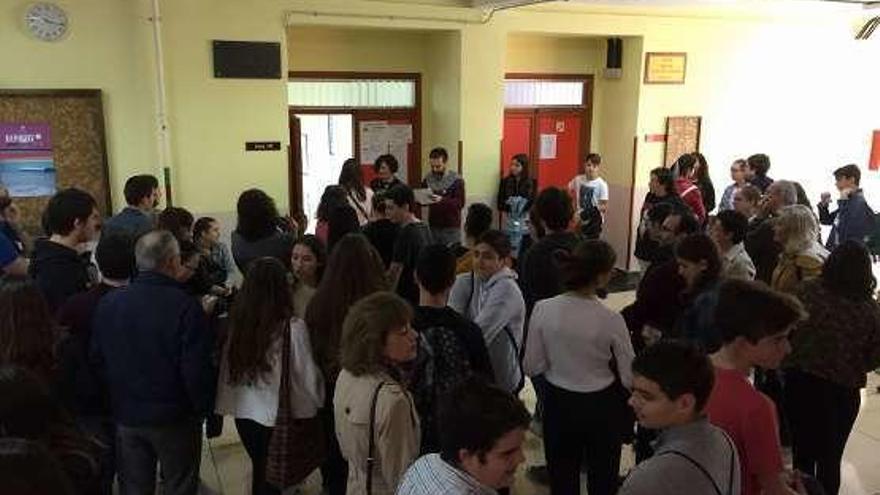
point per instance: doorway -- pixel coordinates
(337, 116)
(325, 142)
(547, 117)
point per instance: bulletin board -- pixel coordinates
(682, 136)
(75, 121)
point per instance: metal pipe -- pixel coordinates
(163, 136)
(484, 18)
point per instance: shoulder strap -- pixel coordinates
(732, 462)
(371, 456)
(703, 470)
(358, 205)
(284, 386)
(697, 465)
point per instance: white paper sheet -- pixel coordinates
(548, 147)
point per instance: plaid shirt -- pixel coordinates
(431, 475)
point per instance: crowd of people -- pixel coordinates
(389, 353)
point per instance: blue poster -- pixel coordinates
(27, 165)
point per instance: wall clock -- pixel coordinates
(46, 21)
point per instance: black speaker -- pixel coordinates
(614, 59)
(247, 60)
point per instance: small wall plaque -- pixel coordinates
(665, 68)
(262, 146)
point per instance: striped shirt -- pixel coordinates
(431, 475)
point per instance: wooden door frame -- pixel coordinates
(585, 109)
(414, 114)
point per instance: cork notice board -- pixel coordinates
(682, 136)
(75, 119)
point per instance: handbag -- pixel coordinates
(371, 452)
(297, 446)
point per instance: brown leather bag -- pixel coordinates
(297, 446)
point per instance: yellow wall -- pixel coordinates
(796, 87)
(108, 47)
(434, 55)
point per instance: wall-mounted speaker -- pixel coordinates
(614, 59)
(247, 59)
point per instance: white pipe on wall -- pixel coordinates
(163, 138)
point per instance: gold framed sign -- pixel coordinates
(665, 68)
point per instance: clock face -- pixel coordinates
(46, 21)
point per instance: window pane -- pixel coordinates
(523, 93)
(352, 93)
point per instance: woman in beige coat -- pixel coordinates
(376, 339)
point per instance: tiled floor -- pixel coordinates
(226, 468)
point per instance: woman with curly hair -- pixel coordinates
(372, 402)
(832, 352)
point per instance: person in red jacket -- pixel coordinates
(689, 192)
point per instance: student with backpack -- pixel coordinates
(490, 297)
(672, 381)
(451, 348)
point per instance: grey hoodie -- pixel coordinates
(497, 307)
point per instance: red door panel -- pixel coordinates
(517, 138)
(561, 168)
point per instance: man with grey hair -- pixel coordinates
(760, 245)
(152, 347)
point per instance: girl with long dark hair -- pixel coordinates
(360, 197)
(516, 193)
(260, 230)
(251, 367)
(307, 263)
(699, 265)
(354, 271)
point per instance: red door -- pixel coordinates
(559, 148)
(517, 138)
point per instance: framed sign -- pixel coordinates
(682, 136)
(665, 68)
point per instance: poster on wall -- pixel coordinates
(27, 165)
(380, 138)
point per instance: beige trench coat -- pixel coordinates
(396, 431)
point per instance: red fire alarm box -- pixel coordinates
(874, 162)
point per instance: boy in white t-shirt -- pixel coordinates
(590, 193)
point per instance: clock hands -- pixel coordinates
(46, 20)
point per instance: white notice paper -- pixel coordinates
(374, 140)
(548, 147)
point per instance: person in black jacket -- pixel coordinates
(152, 347)
(704, 182)
(759, 243)
(77, 385)
(662, 191)
(757, 167)
(451, 347)
(517, 183)
(59, 268)
(540, 273)
(853, 219)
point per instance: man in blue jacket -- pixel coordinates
(152, 347)
(853, 219)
